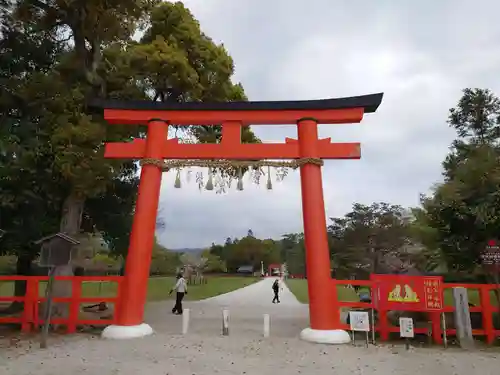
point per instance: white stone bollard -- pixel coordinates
(225, 322)
(185, 321)
(266, 325)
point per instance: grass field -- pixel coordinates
(158, 288)
(299, 289)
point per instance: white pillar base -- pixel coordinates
(334, 336)
(126, 332)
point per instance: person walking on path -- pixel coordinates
(181, 289)
(276, 290)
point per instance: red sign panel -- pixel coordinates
(408, 293)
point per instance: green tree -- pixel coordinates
(178, 62)
(292, 250)
(214, 263)
(29, 199)
(55, 56)
(371, 239)
(164, 59)
(476, 117)
(464, 210)
(216, 250)
(248, 250)
(164, 262)
(423, 233)
(112, 213)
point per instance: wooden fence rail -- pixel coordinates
(30, 319)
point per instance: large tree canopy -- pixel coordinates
(464, 211)
(247, 251)
(372, 239)
(54, 56)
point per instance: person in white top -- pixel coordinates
(181, 289)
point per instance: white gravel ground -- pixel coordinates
(204, 351)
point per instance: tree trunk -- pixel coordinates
(375, 261)
(122, 269)
(71, 219)
(23, 268)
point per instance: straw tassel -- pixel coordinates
(239, 185)
(177, 183)
(210, 182)
(269, 184)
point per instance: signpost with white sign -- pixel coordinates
(406, 330)
(359, 322)
(406, 327)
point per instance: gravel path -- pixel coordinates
(246, 307)
(255, 295)
(204, 351)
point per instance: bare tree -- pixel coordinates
(194, 267)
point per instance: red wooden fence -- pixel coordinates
(384, 328)
(29, 318)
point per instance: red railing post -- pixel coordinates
(487, 313)
(30, 299)
(36, 304)
(74, 312)
(383, 325)
(436, 327)
(117, 300)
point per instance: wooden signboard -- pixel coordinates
(408, 293)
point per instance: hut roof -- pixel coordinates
(59, 235)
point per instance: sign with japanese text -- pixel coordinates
(491, 254)
(408, 293)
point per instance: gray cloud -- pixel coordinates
(421, 54)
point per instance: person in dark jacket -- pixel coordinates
(276, 290)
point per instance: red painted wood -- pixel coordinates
(270, 117)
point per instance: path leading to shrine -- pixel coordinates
(258, 294)
(246, 306)
(204, 351)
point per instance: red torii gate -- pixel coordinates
(274, 266)
(323, 309)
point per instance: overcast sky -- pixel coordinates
(421, 54)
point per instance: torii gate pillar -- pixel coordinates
(324, 316)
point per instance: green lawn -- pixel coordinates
(299, 288)
(158, 288)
